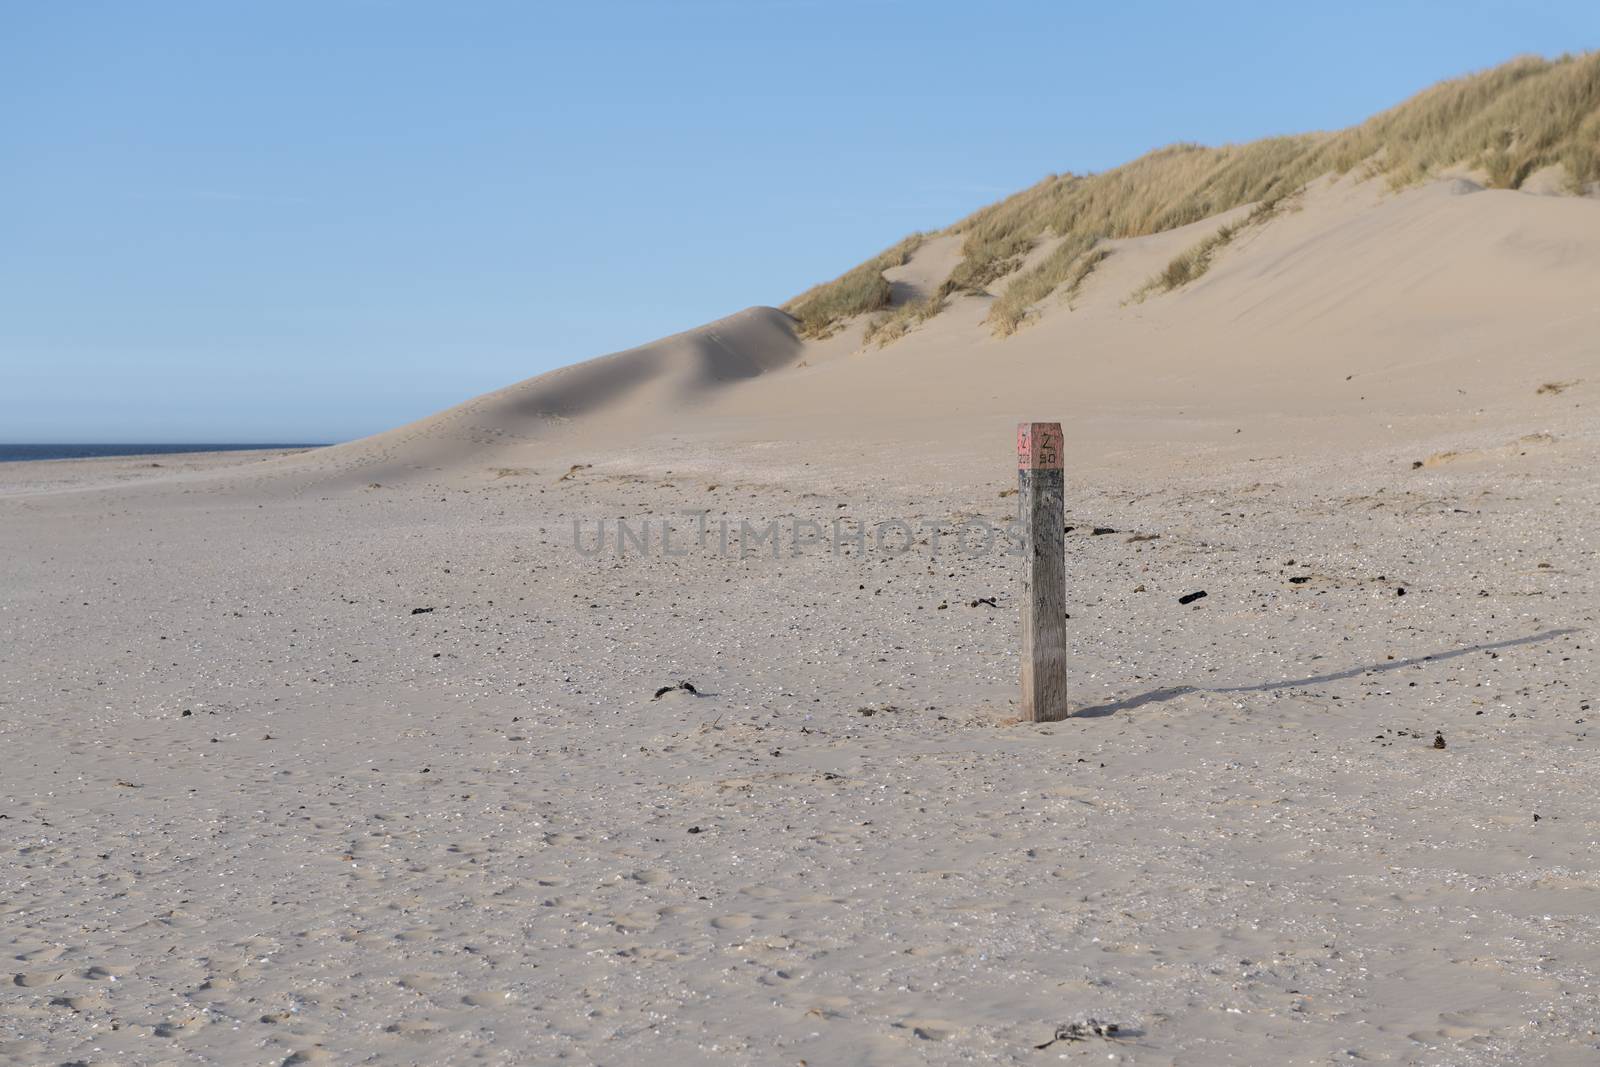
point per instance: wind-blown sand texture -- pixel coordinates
(257, 809)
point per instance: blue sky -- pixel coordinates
(309, 221)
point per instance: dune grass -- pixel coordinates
(1065, 268)
(886, 329)
(1081, 270)
(1507, 122)
(1195, 260)
(1188, 264)
(1034, 285)
(864, 289)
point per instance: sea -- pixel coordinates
(13, 453)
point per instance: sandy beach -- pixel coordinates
(361, 754)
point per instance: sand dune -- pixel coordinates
(1418, 294)
(1425, 318)
(635, 390)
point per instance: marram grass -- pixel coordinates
(1507, 122)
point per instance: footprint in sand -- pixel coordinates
(80, 1002)
(1466, 1027)
(518, 896)
(33, 979)
(928, 1029)
(829, 1007)
(781, 976)
(655, 955)
(48, 954)
(1451, 1034)
(307, 1055)
(760, 892)
(936, 950)
(733, 922)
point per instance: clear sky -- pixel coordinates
(309, 220)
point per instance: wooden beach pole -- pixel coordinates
(1044, 580)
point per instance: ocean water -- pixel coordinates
(12, 453)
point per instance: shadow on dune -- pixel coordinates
(741, 346)
(616, 393)
(1156, 696)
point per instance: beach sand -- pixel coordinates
(258, 807)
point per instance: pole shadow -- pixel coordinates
(1156, 696)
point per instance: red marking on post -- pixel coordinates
(1039, 446)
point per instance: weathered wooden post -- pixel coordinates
(1044, 580)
